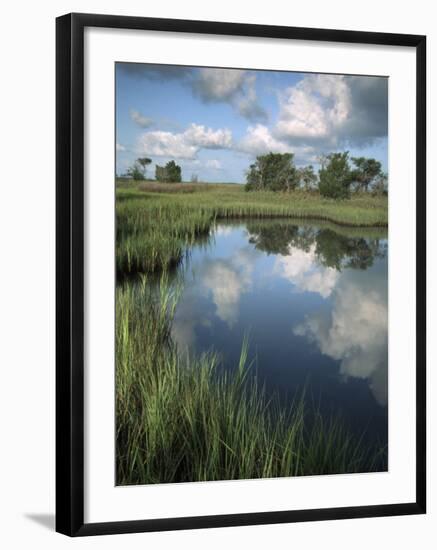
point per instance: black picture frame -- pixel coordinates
(70, 273)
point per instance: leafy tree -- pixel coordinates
(173, 172)
(143, 164)
(307, 177)
(160, 174)
(135, 172)
(366, 171)
(274, 171)
(138, 170)
(253, 178)
(335, 177)
(170, 173)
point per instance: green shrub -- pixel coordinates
(275, 172)
(170, 173)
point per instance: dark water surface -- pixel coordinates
(313, 300)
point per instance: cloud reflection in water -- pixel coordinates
(351, 324)
(354, 331)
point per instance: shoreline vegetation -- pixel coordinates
(156, 223)
(186, 418)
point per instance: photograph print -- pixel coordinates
(251, 274)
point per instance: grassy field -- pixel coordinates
(157, 222)
(186, 418)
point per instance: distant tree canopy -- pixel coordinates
(170, 173)
(337, 177)
(135, 172)
(139, 168)
(274, 171)
(144, 163)
(365, 172)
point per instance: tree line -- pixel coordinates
(339, 174)
(170, 173)
(338, 177)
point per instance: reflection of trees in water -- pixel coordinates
(322, 260)
(332, 249)
(274, 238)
(340, 251)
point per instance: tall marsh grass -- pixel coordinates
(155, 238)
(181, 419)
(155, 228)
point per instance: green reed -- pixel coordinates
(185, 418)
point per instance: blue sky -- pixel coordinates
(213, 122)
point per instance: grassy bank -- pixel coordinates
(157, 222)
(230, 201)
(185, 419)
(151, 238)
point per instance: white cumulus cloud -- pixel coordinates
(206, 138)
(330, 110)
(314, 108)
(184, 145)
(321, 113)
(259, 140)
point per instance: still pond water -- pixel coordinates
(313, 301)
